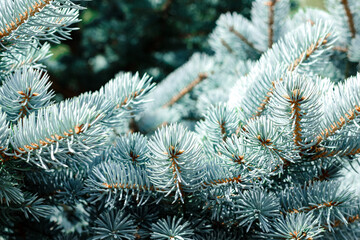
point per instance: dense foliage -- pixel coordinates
(252, 141)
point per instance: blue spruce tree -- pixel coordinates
(251, 142)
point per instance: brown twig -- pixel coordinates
(226, 45)
(188, 88)
(271, 5)
(295, 111)
(315, 207)
(215, 182)
(175, 167)
(306, 54)
(349, 17)
(243, 38)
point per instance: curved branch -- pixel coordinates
(23, 17)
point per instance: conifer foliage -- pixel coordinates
(249, 142)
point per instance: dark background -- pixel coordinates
(153, 36)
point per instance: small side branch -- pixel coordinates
(349, 17)
(227, 46)
(23, 17)
(349, 116)
(321, 152)
(128, 186)
(201, 77)
(296, 115)
(78, 129)
(243, 38)
(215, 182)
(315, 207)
(271, 5)
(308, 53)
(264, 102)
(25, 102)
(338, 223)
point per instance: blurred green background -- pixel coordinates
(153, 36)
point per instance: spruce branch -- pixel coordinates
(201, 77)
(318, 206)
(226, 45)
(263, 104)
(337, 117)
(117, 181)
(175, 161)
(243, 38)
(347, 117)
(309, 51)
(349, 220)
(271, 5)
(22, 17)
(25, 91)
(272, 66)
(349, 17)
(215, 182)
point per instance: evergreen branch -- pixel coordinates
(243, 38)
(296, 226)
(176, 168)
(346, 118)
(303, 57)
(272, 66)
(119, 179)
(72, 126)
(201, 77)
(263, 103)
(215, 182)
(349, 17)
(296, 113)
(114, 224)
(23, 17)
(336, 118)
(226, 45)
(306, 54)
(338, 223)
(76, 130)
(118, 185)
(25, 91)
(340, 49)
(171, 147)
(325, 199)
(321, 152)
(127, 90)
(271, 5)
(329, 204)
